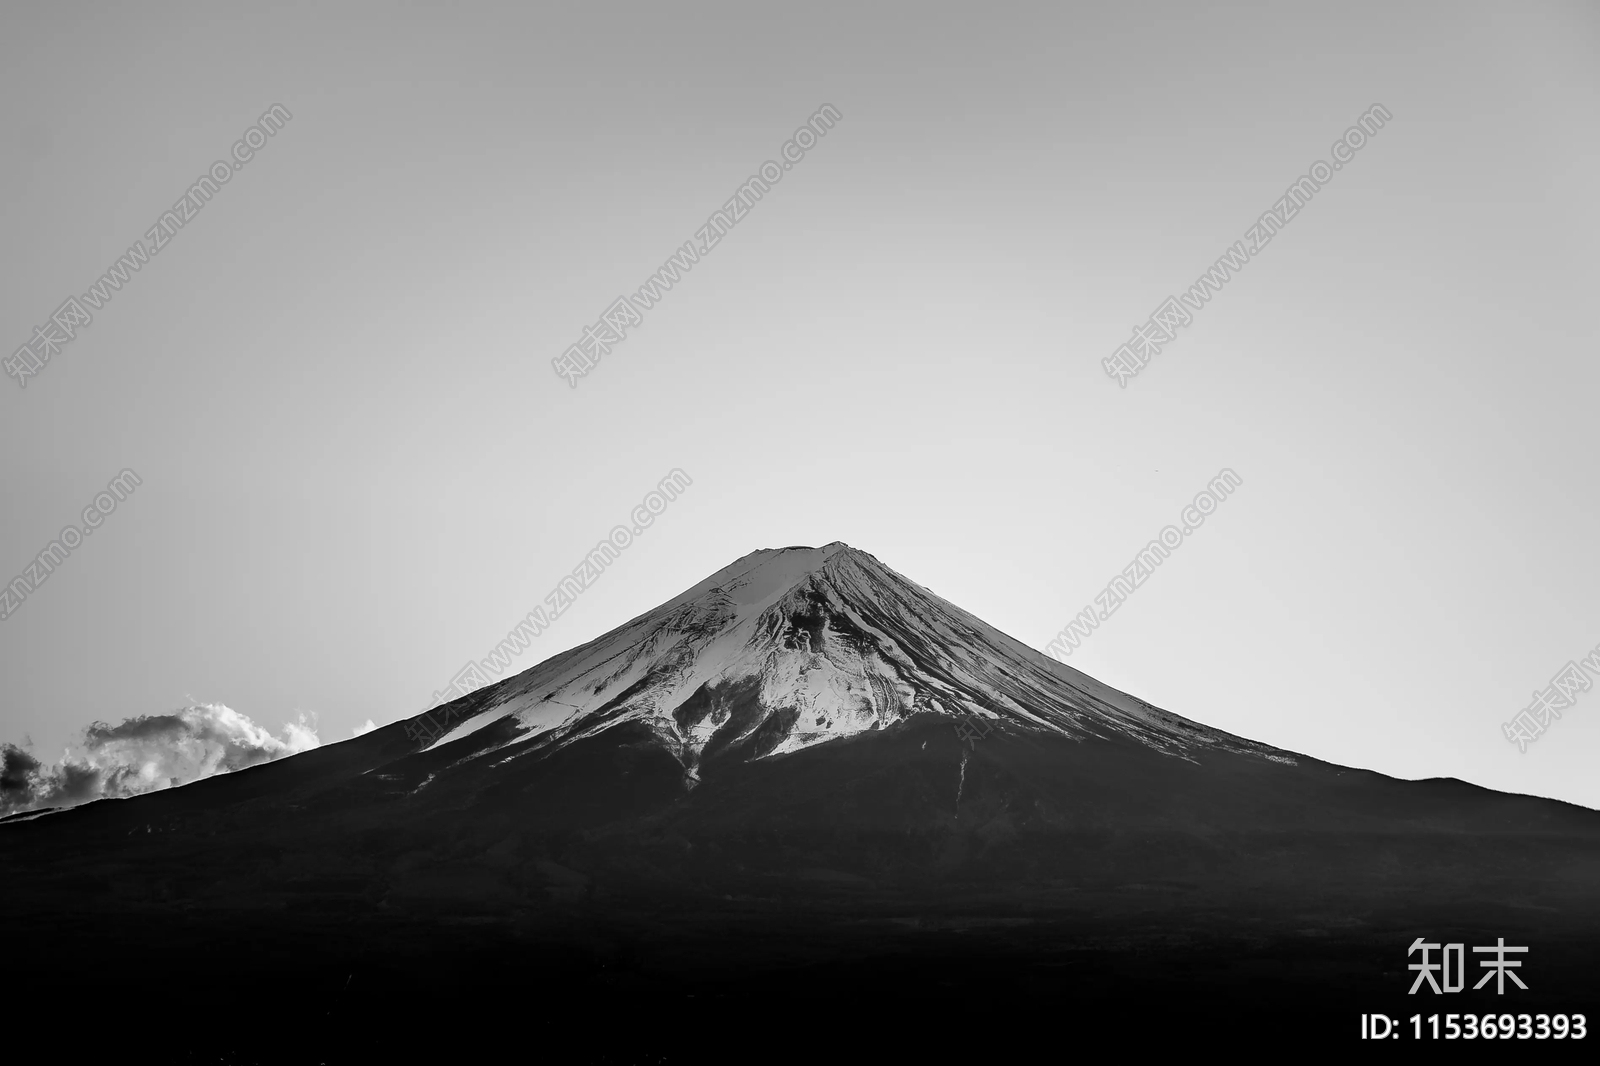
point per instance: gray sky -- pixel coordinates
(359, 469)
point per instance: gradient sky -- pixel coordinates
(359, 470)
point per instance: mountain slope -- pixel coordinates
(779, 772)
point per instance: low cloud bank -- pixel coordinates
(146, 754)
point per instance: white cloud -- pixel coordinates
(146, 754)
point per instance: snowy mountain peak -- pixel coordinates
(786, 648)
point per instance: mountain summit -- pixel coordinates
(788, 648)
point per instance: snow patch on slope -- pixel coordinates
(834, 644)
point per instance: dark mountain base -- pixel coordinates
(686, 986)
(893, 893)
